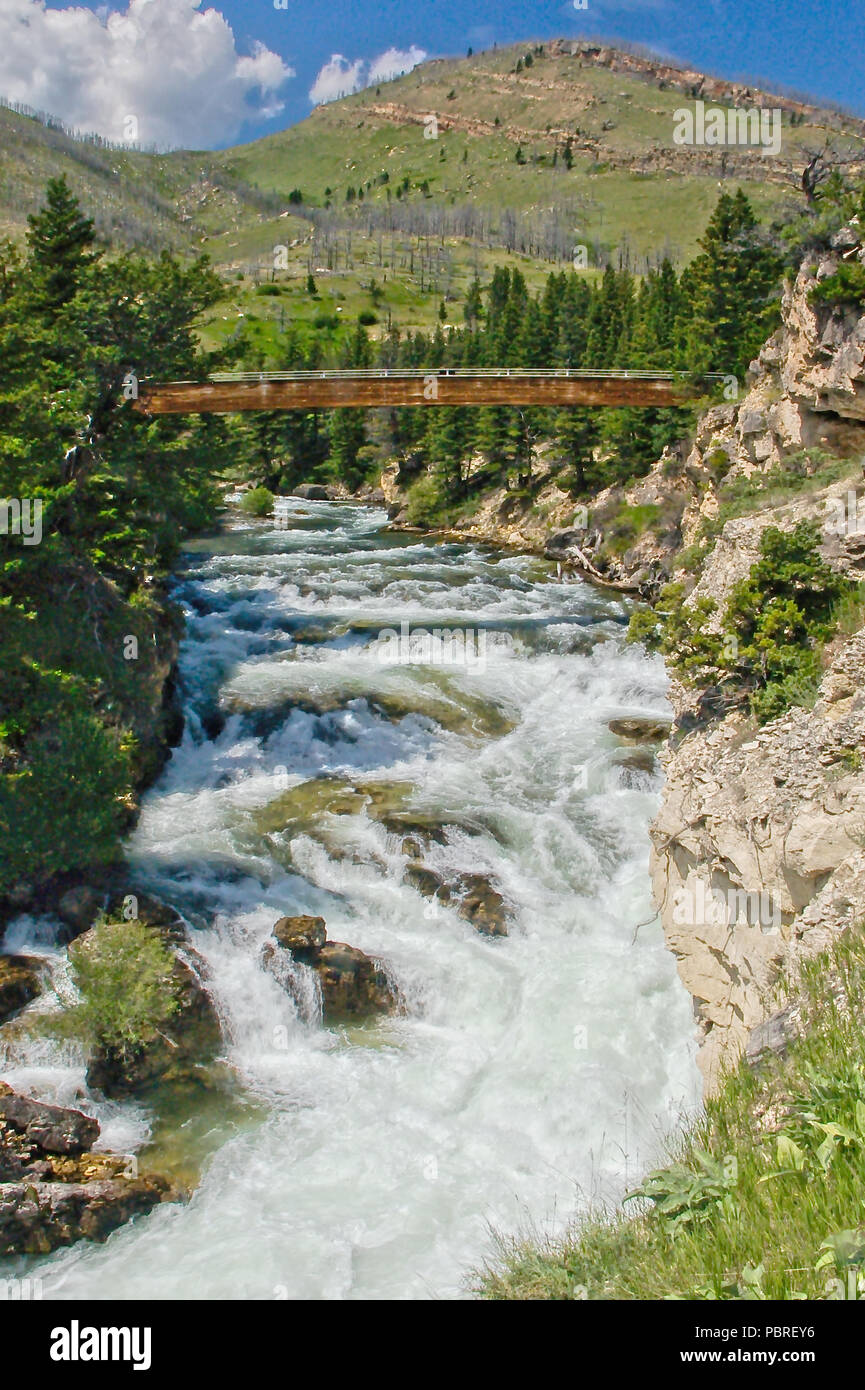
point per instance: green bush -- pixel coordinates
(257, 502)
(63, 777)
(846, 286)
(125, 978)
(629, 523)
(766, 647)
(423, 502)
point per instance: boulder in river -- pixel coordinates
(49, 1127)
(478, 902)
(483, 906)
(428, 882)
(651, 730)
(316, 492)
(352, 984)
(187, 1040)
(53, 1190)
(19, 983)
(303, 936)
(37, 1217)
(79, 907)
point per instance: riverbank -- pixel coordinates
(757, 864)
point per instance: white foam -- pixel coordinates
(386, 1157)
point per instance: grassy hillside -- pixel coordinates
(539, 148)
(136, 199)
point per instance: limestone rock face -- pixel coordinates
(757, 852)
(822, 347)
(759, 847)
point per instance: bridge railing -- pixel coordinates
(423, 373)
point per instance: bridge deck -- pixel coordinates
(224, 393)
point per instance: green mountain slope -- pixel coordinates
(537, 149)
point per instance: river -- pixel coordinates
(529, 1076)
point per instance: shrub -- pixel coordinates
(367, 318)
(257, 502)
(766, 647)
(124, 974)
(629, 523)
(64, 777)
(646, 626)
(423, 502)
(846, 286)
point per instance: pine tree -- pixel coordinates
(731, 289)
(60, 240)
(474, 307)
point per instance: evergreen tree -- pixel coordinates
(731, 290)
(60, 239)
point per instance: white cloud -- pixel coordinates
(339, 77)
(162, 72)
(394, 63)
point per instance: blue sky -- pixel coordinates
(251, 72)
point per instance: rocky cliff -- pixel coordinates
(759, 846)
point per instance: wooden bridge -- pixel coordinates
(227, 392)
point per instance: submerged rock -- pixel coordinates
(477, 901)
(19, 984)
(640, 730)
(301, 807)
(53, 1191)
(426, 827)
